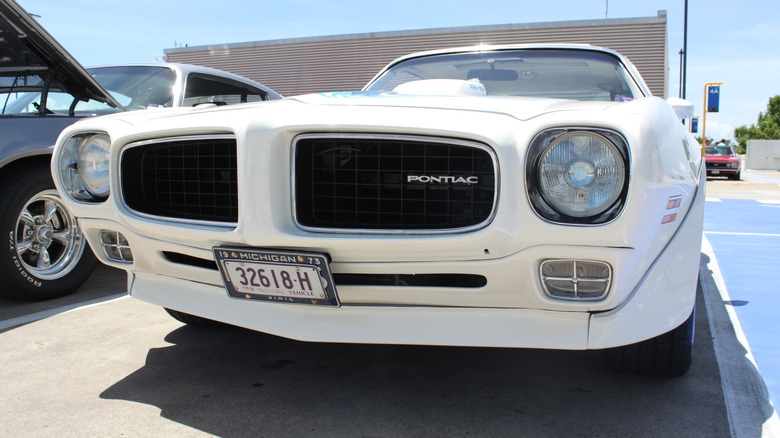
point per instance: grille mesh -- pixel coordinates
(184, 179)
(364, 183)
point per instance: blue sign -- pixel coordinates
(713, 98)
(695, 124)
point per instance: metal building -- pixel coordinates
(348, 62)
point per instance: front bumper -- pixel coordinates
(662, 299)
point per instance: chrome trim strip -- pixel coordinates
(166, 219)
(402, 137)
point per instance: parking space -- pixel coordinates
(125, 368)
(742, 233)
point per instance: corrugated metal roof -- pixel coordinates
(348, 62)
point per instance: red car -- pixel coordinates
(722, 160)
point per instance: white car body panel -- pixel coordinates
(653, 263)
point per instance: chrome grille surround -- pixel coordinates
(392, 159)
(189, 179)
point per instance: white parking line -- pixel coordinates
(26, 319)
(743, 234)
(744, 390)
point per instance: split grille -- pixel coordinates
(191, 178)
(341, 182)
(392, 183)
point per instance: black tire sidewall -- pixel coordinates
(15, 280)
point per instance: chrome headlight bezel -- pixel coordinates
(597, 175)
(84, 166)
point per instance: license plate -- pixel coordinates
(715, 172)
(278, 276)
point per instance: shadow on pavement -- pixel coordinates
(232, 382)
(104, 282)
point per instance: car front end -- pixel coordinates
(478, 260)
(722, 160)
(460, 201)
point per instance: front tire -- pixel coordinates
(667, 355)
(44, 254)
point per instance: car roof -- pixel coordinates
(184, 70)
(29, 57)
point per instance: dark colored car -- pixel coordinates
(43, 89)
(722, 160)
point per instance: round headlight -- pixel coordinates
(581, 174)
(93, 165)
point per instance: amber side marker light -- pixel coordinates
(672, 205)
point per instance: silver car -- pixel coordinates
(43, 89)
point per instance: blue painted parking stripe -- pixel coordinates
(744, 390)
(745, 236)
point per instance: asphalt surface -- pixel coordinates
(97, 363)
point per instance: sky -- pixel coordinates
(733, 42)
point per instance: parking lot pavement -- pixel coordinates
(104, 284)
(748, 400)
(741, 230)
(755, 184)
(124, 368)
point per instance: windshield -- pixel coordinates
(134, 87)
(563, 74)
(719, 151)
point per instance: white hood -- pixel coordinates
(522, 108)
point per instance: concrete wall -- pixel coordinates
(348, 62)
(763, 155)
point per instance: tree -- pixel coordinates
(767, 128)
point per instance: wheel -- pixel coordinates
(736, 176)
(188, 319)
(667, 355)
(46, 255)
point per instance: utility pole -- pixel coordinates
(682, 82)
(684, 52)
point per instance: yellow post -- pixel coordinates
(704, 117)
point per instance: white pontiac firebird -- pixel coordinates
(496, 196)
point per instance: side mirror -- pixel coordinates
(681, 107)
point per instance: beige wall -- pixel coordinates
(763, 155)
(348, 62)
